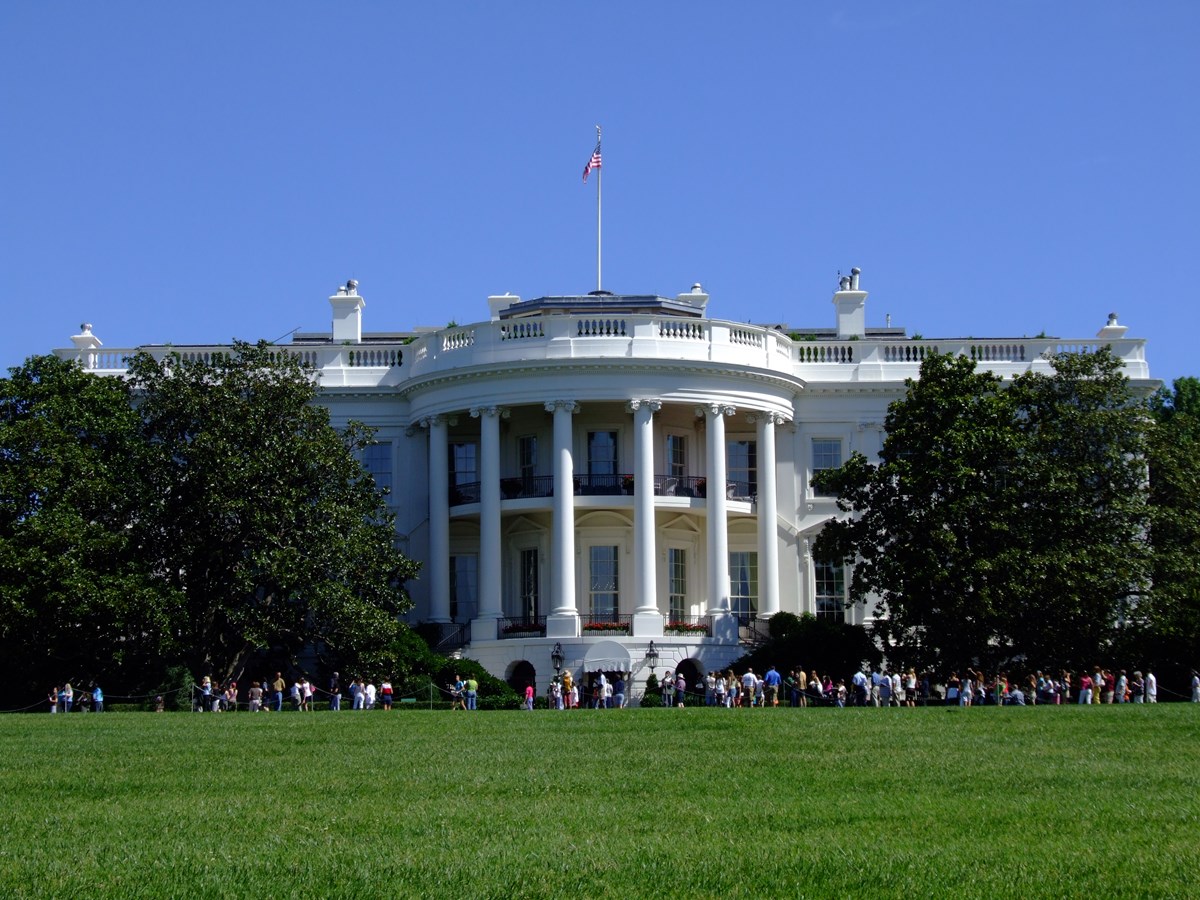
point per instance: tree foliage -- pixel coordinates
(1001, 522)
(1172, 617)
(200, 512)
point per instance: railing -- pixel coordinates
(604, 485)
(599, 625)
(688, 626)
(636, 336)
(464, 493)
(454, 637)
(752, 630)
(520, 486)
(522, 627)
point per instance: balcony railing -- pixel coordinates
(688, 626)
(605, 623)
(533, 486)
(522, 627)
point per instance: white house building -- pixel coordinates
(619, 477)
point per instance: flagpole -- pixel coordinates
(599, 178)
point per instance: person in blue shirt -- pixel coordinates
(97, 698)
(771, 682)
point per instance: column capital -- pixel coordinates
(767, 416)
(652, 405)
(502, 411)
(437, 419)
(569, 405)
(715, 409)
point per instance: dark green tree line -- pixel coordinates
(199, 512)
(1003, 521)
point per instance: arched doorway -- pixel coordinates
(520, 674)
(693, 673)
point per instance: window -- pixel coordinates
(464, 463)
(677, 583)
(464, 587)
(377, 460)
(741, 464)
(527, 456)
(743, 585)
(530, 594)
(831, 591)
(602, 582)
(826, 454)
(602, 453)
(676, 456)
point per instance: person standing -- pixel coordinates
(385, 690)
(771, 686)
(680, 689)
(619, 691)
(1151, 687)
(668, 689)
(473, 693)
(370, 692)
(68, 697)
(53, 698)
(1195, 686)
(335, 693)
(529, 696)
(556, 694)
(97, 698)
(568, 683)
(277, 687)
(1122, 687)
(255, 696)
(358, 696)
(749, 687)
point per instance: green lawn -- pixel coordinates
(1096, 802)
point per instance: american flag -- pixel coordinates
(593, 163)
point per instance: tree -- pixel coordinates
(1170, 615)
(76, 600)
(1002, 523)
(924, 535)
(258, 515)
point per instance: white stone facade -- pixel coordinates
(552, 467)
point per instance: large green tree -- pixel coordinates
(1003, 522)
(1171, 617)
(258, 513)
(198, 512)
(76, 600)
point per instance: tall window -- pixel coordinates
(464, 587)
(741, 462)
(676, 456)
(530, 594)
(831, 591)
(826, 454)
(602, 581)
(602, 453)
(464, 463)
(743, 584)
(527, 456)
(677, 582)
(377, 459)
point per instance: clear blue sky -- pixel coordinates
(190, 173)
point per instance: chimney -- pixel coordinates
(85, 340)
(1113, 331)
(695, 297)
(497, 303)
(347, 313)
(851, 306)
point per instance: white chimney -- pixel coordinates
(347, 313)
(499, 302)
(695, 297)
(85, 340)
(851, 306)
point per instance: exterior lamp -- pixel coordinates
(556, 658)
(652, 656)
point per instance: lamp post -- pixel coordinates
(556, 658)
(652, 656)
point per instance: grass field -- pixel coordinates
(1096, 802)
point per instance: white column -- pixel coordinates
(768, 543)
(718, 534)
(563, 620)
(647, 618)
(490, 576)
(439, 519)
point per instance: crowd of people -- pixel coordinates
(874, 687)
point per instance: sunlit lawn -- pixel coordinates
(1094, 802)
